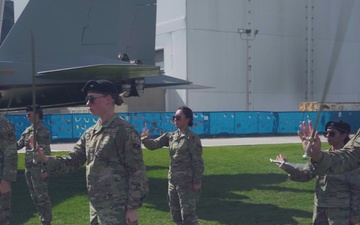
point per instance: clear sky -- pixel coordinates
(19, 6)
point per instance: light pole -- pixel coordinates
(248, 35)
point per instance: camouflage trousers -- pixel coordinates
(108, 213)
(331, 216)
(182, 202)
(38, 188)
(5, 208)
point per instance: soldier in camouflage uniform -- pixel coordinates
(186, 166)
(35, 173)
(337, 197)
(8, 167)
(115, 172)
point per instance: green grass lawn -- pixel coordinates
(240, 187)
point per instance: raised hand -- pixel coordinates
(145, 132)
(281, 162)
(311, 145)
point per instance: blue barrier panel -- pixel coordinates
(268, 123)
(354, 119)
(324, 118)
(72, 126)
(309, 116)
(206, 123)
(199, 123)
(222, 123)
(246, 123)
(62, 126)
(81, 122)
(289, 122)
(167, 122)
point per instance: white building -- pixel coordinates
(259, 55)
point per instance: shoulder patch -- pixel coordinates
(135, 138)
(7, 128)
(11, 137)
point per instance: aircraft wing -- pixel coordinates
(101, 71)
(120, 72)
(164, 81)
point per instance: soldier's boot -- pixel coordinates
(45, 223)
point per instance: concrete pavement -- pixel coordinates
(214, 142)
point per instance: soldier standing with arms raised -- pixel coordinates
(337, 197)
(8, 167)
(115, 172)
(35, 173)
(186, 166)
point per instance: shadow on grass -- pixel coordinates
(221, 202)
(221, 199)
(61, 188)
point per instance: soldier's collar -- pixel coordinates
(99, 125)
(37, 123)
(184, 133)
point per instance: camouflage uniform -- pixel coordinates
(337, 197)
(186, 168)
(115, 170)
(337, 162)
(37, 185)
(8, 165)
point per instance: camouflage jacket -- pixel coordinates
(186, 163)
(338, 162)
(43, 138)
(115, 168)
(8, 152)
(335, 190)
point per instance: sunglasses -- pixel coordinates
(28, 114)
(91, 99)
(177, 117)
(330, 133)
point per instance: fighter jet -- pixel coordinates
(55, 47)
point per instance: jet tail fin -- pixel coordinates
(75, 29)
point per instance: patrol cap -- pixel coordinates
(338, 125)
(38, 108)
(30, 108)
(103, 87)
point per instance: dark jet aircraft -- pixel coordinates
(56, 46)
